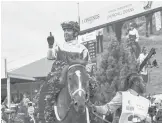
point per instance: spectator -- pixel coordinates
(134, 87)
(144, 71)
(133, 32)
(4, 116)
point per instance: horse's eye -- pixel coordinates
(69, 78)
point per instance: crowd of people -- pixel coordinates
(21, 110)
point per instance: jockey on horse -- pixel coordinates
(71, 52)
(133, 38)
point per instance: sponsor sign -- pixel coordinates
(133, 106)
(87, 37)
(89, 41)
(117, 12)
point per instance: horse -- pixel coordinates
(71, 104)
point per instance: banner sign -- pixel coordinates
(87, 37)
(91, 46)
(117, 12)
(89, 41)
(133, 107)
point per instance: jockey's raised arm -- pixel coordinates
(51, 54)
(70, 45)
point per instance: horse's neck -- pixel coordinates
(66, 91)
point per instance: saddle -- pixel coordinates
(62, 104)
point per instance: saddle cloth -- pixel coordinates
(63, 102)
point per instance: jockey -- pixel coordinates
(133, 33)
(134, 87)
(71, 52)
(71, 44)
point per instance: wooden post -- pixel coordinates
(151, 25)
(118, 30)
(8, 92)
(149, 21)
(78, 14)
(8, 85)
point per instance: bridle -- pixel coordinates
(72, 100)
(79, 89)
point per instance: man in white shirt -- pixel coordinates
(133, 38)
(134, 87)
(133, 33)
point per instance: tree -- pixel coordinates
(117, 63)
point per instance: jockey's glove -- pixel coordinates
(50, 40)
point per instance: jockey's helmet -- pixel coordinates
(71, 25)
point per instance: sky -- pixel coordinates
(25, 27)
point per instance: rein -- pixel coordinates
(56, 113)
(98, 116)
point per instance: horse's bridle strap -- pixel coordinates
(75, 66)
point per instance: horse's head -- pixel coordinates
(78, 86)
